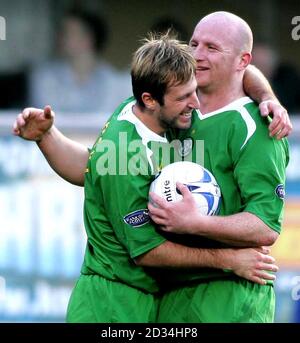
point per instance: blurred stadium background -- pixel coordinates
(41, 225)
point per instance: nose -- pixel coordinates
(194, 103)
(198, 53)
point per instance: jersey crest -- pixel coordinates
(185, 147)
(280, 192)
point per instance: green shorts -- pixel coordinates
(219, 301)
(98, 300)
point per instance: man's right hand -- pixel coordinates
(33, 123)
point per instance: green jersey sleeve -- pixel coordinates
(125, 203)
(259, 170)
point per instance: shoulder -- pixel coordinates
(50, 67)
(49, 74)
(255, 136)
(116, 131)
(244, 112)
(245, 121)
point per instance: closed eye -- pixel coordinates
(211, 47)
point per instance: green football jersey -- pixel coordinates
(120, 169)
(249, 166)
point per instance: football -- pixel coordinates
(199, 181)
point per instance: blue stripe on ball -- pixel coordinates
(206, 177)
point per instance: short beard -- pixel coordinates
(168, 124)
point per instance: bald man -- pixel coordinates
(249, 167)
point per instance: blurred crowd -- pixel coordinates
(283, 76)
(78, 79)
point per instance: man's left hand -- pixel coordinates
(281, 125)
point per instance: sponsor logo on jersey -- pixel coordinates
(137, 218)
(280, 191)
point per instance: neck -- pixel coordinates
(149, 119)
(212, 100)
(83, 65)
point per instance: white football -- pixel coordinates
(199, 181)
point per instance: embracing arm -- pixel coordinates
(241, 229)
(66, 157)
(260, 90)
(257, 86)
(251, 264)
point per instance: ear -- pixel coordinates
(244, 61)
(148, 100)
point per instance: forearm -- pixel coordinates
(251, 264)
(172, 255)
(66, 157)
(242, 229)
(257, 86)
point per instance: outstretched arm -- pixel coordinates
(259, 89)
(66, 157)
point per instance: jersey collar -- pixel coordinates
(144, 132)
(232, 106)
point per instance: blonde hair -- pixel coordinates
(161, 62)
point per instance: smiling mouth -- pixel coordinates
(202, 68)
(187, 114)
